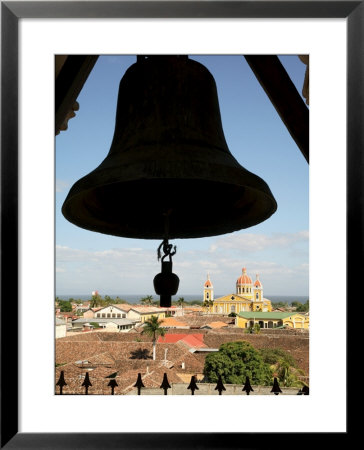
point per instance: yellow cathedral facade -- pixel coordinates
(247, 297)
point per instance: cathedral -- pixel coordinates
(248, 297)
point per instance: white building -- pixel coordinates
(61, 328)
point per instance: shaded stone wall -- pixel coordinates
(209, 389)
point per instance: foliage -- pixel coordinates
(280, 305)
(287, 375)
(273, 355)
(152, 328)
(234, 362)
(108, 300)
(207, 303)
(95, 325)
(284, 366)
(119, 300)
(195, 302)
(96, 301)
(305, 307)
(232, 314)
(148, 300)
(253, 329)
(64, 305)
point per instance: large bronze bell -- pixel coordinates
(169, 158)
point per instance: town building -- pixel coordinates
(107, 312)
(143, 313)
(108, 324)
(61, 328)
(272, 319)
(248, 296)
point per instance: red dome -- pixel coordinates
(244, 279)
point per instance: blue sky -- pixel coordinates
(277, 249)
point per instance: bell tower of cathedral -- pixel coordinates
(208, 290)
(258, 290)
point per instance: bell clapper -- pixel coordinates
(166, 283)
(167, 250)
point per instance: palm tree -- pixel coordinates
(152, 327)
(287, 374)
(180, 302)
(95, 301)
(148, 300)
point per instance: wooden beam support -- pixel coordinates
(69, 83)
(284, 97)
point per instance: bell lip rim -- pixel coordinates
(265, 194)
(173, 236)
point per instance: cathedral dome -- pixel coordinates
(244, 279)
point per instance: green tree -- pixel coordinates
(181, 302)
(253, 329)
(288, 375)
(273, 355)
(296, 304)
(96, 301)
(108, 300)
(148, 300)
(196, 302)
(152, 328)
(284, 367)
(234, 362)
(305, 307)
(64, 305)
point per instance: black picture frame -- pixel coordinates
(11, 13)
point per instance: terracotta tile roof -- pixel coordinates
(122, 354)
(123, 306)
(192, 340)
(148, 309)
(120, 358)
(171, 322)
(201, 320)
(216, 325)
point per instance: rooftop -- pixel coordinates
(191, 340)
(265, 315)
(171, 322)
(97, 320)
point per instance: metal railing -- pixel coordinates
(165, 386)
